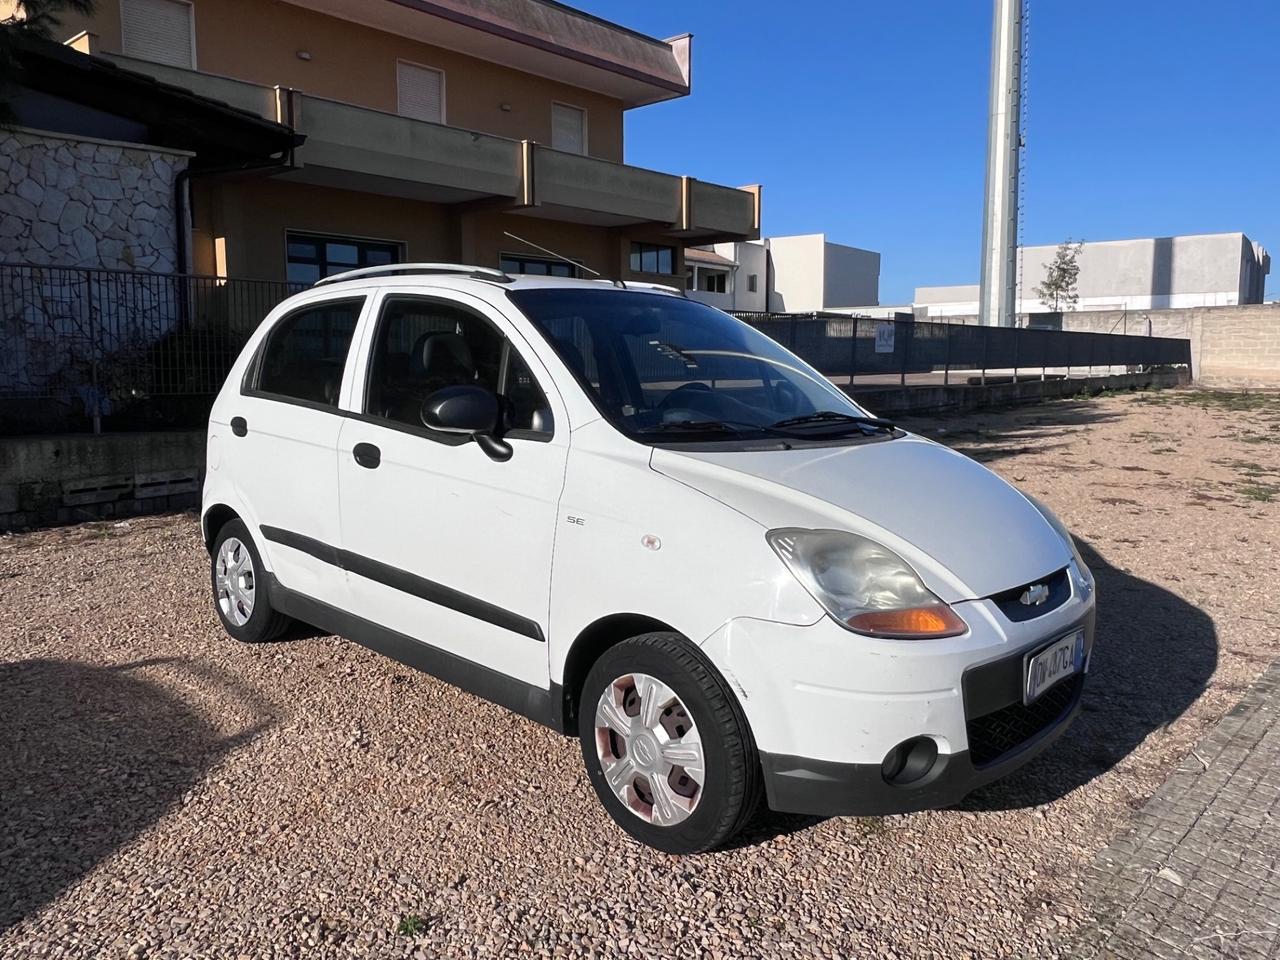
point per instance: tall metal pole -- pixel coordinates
(996, 305)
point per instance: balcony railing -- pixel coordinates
(363, 149)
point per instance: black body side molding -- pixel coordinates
(407, 582)
(546, 706)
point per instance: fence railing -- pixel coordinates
(859, 351)
(90, 350)
(87, 349)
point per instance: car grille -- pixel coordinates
(993, 736)
(1011, 605)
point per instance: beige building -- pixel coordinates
(433, 129)
(796, 274)
(1152, 273)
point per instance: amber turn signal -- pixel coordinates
(914, 623)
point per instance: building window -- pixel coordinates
(652, 258)
(537, 266)
(162, 31)
(752, 280)
(713, 281)
(419, 92)
(568, 128)
(311, 257)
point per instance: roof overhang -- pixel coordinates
(171, 116)
(540, 37)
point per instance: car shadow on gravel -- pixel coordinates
(89, 758)
(1002, 432)
(1152, 658)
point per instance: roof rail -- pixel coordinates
(640, 285)
(463, 269)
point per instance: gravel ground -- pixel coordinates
(165, 792)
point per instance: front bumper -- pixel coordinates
(826, 706)
(823, 788)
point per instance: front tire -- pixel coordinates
(241, 594)
(666, 745)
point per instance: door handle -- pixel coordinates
(239, 426)
(367, 455)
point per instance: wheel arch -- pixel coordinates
(587, 647)
(213, 520)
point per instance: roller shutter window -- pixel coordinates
(568, 128)
(159, 31)
(421, 92)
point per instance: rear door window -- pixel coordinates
(305, 353)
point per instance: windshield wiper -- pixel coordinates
(689, 426)
(736, 427)
(831, 416)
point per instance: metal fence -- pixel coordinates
(91, 350)
(858, 351)
(88, 350)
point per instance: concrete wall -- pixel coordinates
(72, 201)
(259, 41)
(1234, 346)
(47, 480)
(69, 479)
(1220, 269)
(958, 398)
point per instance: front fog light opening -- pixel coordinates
(910, 761)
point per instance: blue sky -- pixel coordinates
(868, 120)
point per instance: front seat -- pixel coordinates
(443, 360)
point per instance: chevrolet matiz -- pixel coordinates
(638, 520)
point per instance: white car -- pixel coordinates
(636, 519)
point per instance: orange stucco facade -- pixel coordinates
(239, 223)
(260, 41)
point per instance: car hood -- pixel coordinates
(915, 496)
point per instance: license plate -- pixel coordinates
(1061, 659)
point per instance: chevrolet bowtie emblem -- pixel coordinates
(1034, 595)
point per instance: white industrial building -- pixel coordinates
(1203, 270)
(798, 274)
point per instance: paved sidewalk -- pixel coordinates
(1199, 874)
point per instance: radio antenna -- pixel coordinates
(551, 253)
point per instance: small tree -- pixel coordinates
(1061, 273)
(29, 18)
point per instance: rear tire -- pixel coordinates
(666, 745)
(241, 594)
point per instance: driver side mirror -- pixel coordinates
(470, 410)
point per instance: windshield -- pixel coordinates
(664, 368)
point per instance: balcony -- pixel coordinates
(357, 148)
(539, 37)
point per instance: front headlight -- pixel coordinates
(1083, 575)
(864, 585)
